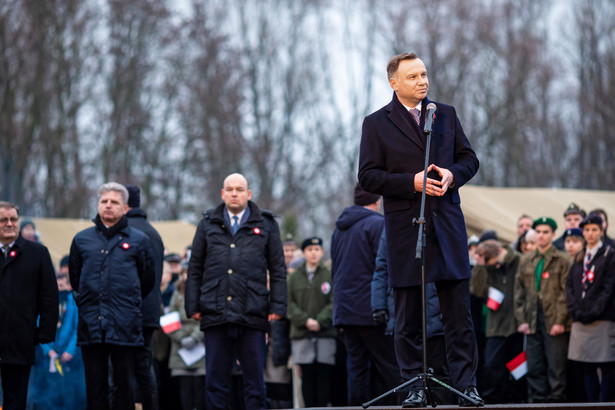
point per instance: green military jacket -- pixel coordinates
(313, 300)
(552, 294)
(500, 322)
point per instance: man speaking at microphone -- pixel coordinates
(391, 164)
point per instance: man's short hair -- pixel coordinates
(116, 187)
(393, 64)
(525, 216)
(489, 249)
(10, 205)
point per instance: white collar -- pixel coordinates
(593, 251)
(239, 215)
(9, 246)
(418, 107)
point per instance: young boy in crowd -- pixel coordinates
(574, 241)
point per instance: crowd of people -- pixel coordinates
(246, 320)
(552, 298)
(560, 317)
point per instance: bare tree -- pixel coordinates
(44, 55)
(128, 70)
(595, 116)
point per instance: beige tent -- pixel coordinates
(499, 208)
(57, 234)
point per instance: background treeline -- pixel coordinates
(174, 95)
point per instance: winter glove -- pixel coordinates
(381, 316)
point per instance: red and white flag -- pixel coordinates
(518, 366)
(494, 299)
(170, 322)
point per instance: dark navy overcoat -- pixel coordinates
(392, 152)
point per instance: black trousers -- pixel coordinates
(144, 372)
(96, 360)
(192, 392)
(316, 384)
(221, 344)
(14, 386)
(370, 363)
(461, 350)
(499, 386)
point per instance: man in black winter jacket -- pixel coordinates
(369, 350)
(236, 249)
(111, 270)
(144, 361)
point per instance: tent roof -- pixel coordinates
(499, 208)
(57, 234)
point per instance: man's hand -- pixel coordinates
(447, 180)
(557, 330)
(312, 325)
(381, 316)
(434, 187)
(274, 316)
(524, 328)
(196, 316)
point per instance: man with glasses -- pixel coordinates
(28, 305)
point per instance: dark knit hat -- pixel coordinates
(545, 220)
(173, 258)
(591, 219)
(488, 234)
(25, 222)
(64, 261)
(362, 197)
(314, 240)
(134, 196)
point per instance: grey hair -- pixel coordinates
(9, 205)
(114, 186)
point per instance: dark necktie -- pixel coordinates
(416, 114)
(235, 224)
(588, 259)
(3, 254)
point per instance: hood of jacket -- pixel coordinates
(351, 216)
(136, 213)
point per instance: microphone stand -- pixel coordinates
(420, 255)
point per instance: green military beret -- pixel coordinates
(545, 220)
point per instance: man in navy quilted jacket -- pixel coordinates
(111, 270)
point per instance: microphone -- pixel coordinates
(429, 117)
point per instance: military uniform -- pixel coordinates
(541, 309)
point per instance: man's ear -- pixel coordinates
(393, 83)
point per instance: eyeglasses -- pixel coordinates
(4, 221)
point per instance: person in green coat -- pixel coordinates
(540, 310)
(310, 309)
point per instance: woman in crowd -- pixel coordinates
(590, 292)
(310, 311)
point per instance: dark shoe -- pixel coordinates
(416, 398)
(472, 393)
